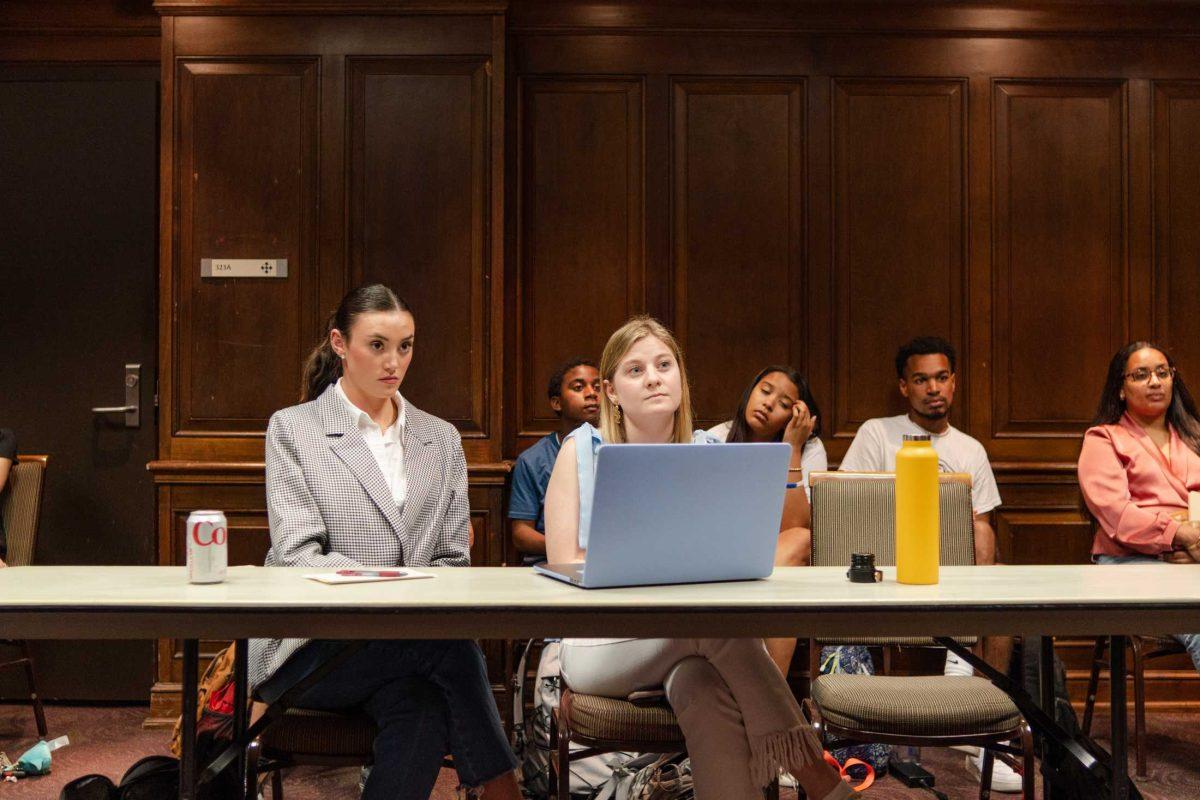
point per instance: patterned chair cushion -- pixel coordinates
(604, 718)
(938, 705)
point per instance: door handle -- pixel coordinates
(132, 408)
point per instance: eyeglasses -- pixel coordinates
(1142, 374)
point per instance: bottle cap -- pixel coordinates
(917, 437)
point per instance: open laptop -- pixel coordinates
(665, 513)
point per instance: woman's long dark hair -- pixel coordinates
(1181, 414)
(323, 367)
(740, 430)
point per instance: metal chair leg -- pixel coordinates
(277, 785)
(1089, 705)
(39, 714)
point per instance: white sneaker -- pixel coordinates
(786, 781)
(956, 666)
(1004, 778)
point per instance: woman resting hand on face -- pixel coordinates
(359, 477)
(1138, 463)
(739, 717)
(778, 406)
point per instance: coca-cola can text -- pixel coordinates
(207, 547)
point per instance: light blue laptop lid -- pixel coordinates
(666, 513)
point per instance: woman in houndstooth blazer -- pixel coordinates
(358, 477)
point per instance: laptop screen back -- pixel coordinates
(669, 513)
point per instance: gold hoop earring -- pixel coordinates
(618, 415)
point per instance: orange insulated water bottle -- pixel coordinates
(917, 527)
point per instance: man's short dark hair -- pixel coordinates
(924, 346)
(554, 389)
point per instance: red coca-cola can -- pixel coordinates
(207, 546)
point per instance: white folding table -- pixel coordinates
(498, 602)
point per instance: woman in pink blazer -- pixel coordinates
(1138, 463)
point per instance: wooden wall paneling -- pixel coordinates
(499, 409)
(1059, 299)
(246, 188)
(976, 416)
(1139, 210)
(738, 230)
(899, 233)
(792, 17)
(487, 487)
(1176, 195)
(288, 32)
(1040, 521)
(167, 222)
(1042, 536)
(580, 248)
(819, 303)
(79, 31)
(420, 155)
(244, 33)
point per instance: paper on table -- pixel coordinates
(334, 577)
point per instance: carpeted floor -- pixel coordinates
(107, 740)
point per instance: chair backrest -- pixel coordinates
(855, 512)
(22, 508)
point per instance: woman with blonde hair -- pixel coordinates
(740, 720)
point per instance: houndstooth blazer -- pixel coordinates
(330, 506)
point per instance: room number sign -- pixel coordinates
(243, 268)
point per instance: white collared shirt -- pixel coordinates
(386, 446)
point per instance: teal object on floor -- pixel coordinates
(36, 760)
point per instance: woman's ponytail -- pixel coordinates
(321, 368)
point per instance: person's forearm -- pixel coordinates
(796, 511)
(526, 537)
(306, 555)
(985, 541)
(564, 553)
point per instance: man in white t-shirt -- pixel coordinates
(925, 367)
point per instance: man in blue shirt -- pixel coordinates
(574, 393)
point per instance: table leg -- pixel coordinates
(1119, 743)
(187, 764)
(1045, 645)
(241, 661)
